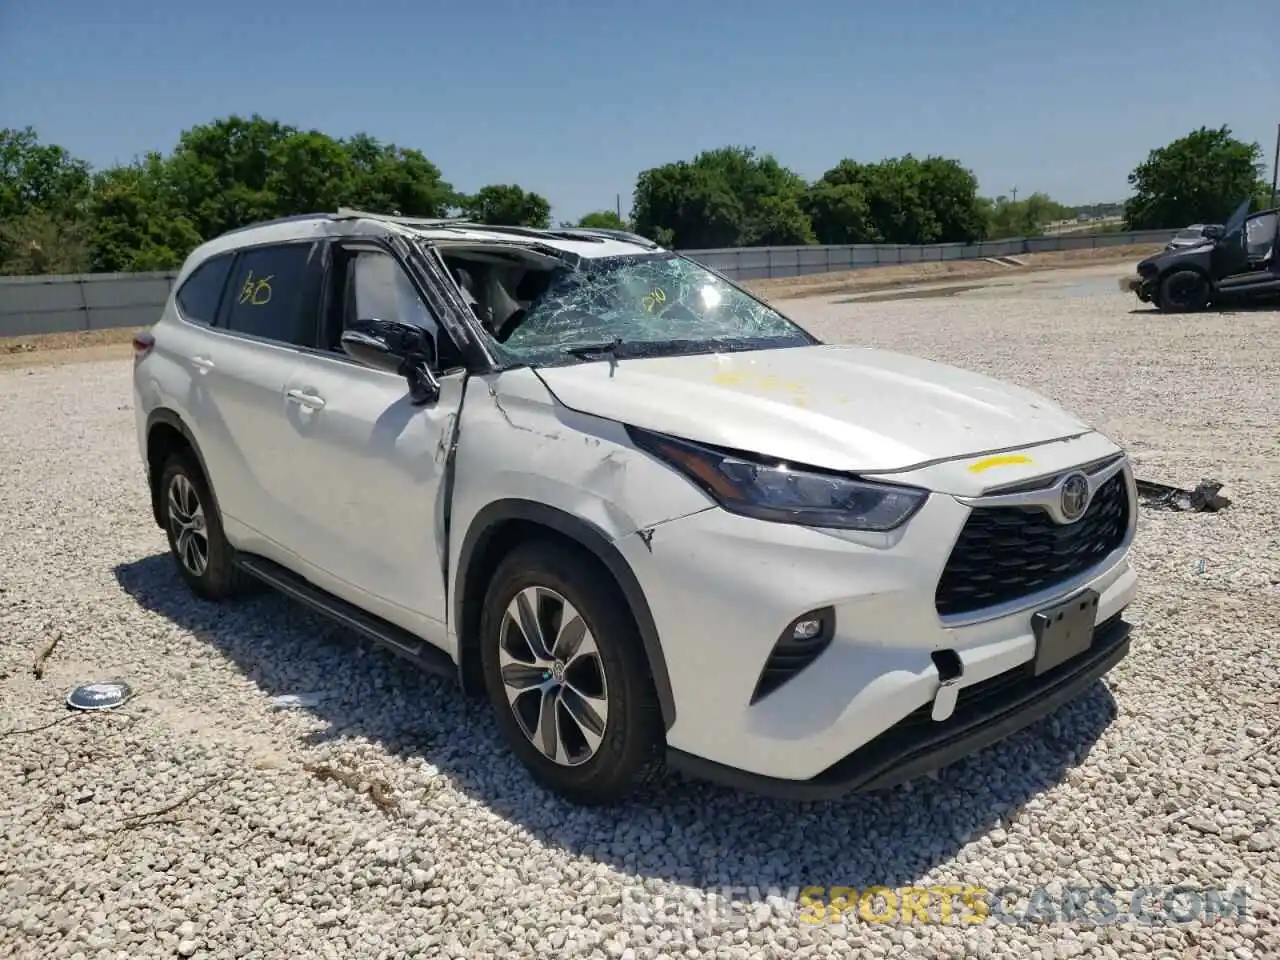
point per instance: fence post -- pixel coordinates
(84, 301)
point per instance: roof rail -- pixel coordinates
(347, 213)
(614, 235)
(295, 218)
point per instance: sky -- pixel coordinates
(572, 98)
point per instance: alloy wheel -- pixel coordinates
(553, 676)
(187, 524)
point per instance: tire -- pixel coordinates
(186, 506)
(628, 737)
(1183, 291)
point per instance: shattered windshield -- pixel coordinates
(644, 305)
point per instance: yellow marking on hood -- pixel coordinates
(763, 383)
(1007, 460)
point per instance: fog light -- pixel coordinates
(806, 629)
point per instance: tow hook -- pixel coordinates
(950, 669)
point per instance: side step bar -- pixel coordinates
(400, 642)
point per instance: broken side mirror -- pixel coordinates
(398, 348)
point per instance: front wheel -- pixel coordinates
(565, 671)
(1183, 291)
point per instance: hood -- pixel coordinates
(839, 407)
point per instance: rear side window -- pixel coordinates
(199, 295)
(269, 295)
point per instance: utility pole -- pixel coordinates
(617, 199)
(1275, 167)
(1015, 194)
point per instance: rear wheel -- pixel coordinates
(206, 561)
(1183, 290)
(565, 672)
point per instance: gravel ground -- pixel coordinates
(388, 821)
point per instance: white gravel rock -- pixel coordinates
(1167, 774)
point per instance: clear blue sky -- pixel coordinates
(572, 99)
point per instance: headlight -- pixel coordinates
(755, 487)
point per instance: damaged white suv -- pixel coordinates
(649, 516)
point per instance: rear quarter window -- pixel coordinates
(201, 292)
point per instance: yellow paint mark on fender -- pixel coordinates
(1008, 460)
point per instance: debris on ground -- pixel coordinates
(380, 792)
(43, 654)
(1205, 498)
(104, 695)
(298, 701)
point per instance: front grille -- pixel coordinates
(1006, 553)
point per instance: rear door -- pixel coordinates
(368, 465)
(269, 312)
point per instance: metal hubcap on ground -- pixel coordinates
(186, 521)
(553, 676)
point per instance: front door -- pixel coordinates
(368, 464)
(1260, 261)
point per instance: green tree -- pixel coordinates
(41, 242)
(507, 205)
(391, 179)
(1199, 178)
(681, 205)
(44, 192)
(138, 221)
(840, 213)
(603, 220)
(1023, 218)
(897, 200)
(727, 197)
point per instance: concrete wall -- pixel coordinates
(35, 305)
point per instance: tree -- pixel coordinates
(728, 197)
(138, 221)
(1023, 218)
(1199, 178)
(839, 213)
(603, 220)
(390, 179)
(507, 205)
(43, 196)
(897, 200)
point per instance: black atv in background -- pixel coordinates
(1235, 262)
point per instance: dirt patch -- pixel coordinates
(905, 274)
(75, 347)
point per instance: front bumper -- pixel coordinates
(986, 714)
(1136, 285)
(722, 588)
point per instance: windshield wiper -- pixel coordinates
(609, 349)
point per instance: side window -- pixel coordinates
(1260, 234)
(380, 290)
(200, 293)
(270, 294)
(375, 287)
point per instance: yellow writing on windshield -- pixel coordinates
(652, 299)
(256, 292)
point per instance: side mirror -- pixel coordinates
(1215, 231)
(398, 348)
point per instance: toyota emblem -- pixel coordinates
(1075, 497)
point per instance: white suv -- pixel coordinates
(647, 514)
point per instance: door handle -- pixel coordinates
(308, 400)
(203, 364)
